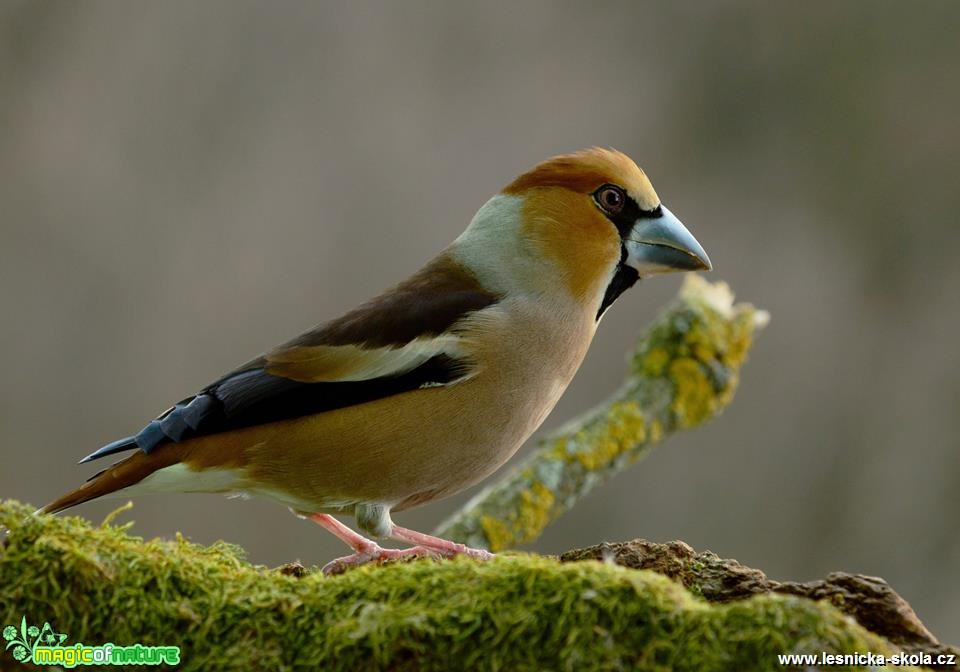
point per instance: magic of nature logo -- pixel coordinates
(45, 646)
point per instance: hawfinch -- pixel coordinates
(431, 386)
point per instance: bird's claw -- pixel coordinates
(478, 553)
(377, 554)
(475, 553)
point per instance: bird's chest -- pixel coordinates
(524, 374)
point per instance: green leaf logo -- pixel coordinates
(29, 637)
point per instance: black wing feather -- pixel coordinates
(254, 397)
(426, 304)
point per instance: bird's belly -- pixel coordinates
(429, 443)
(478, 442)
(403, 450)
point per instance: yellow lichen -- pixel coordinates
(623, 428)
(694, 400)
(725, 396)
(656, 431)
(703, 337)
(740, 340)
(497, 533)
(534, 514)
(655, 361)
(558, 451)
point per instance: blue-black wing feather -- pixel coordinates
(254, 397)
(427, 304)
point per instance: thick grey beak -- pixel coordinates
(663, 245)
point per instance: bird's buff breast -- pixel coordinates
(429, 443)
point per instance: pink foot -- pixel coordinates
(366, 550)
(375, 553)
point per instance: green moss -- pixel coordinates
(99, 584)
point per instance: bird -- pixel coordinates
(431, 386)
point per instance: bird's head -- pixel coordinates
(589, 222)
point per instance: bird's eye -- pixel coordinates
(610, 198)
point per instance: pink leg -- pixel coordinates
(365, 550)
(443, 547)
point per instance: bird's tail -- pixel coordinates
(114, 478)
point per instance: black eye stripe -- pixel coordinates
(628, 214)
(624, 276)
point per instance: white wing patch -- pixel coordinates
(343, 363)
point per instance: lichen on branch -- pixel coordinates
(683, 372)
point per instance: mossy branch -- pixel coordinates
(683, 372)
(99, 585)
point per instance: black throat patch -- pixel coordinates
(623, 279)
(625, 276)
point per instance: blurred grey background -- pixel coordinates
(185, 184)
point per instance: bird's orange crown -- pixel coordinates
(561, 215)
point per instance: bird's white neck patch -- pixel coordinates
(488, 247)
(495, 248)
